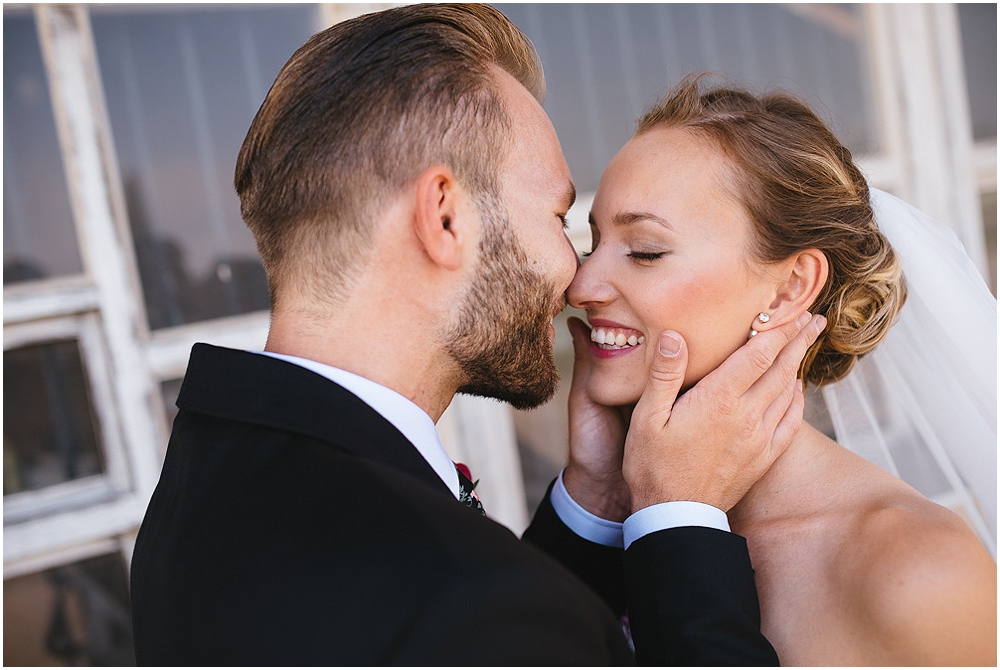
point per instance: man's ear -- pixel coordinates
(805, 276)
(441, 218)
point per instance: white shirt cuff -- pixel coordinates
(580, 521)
(671, 515)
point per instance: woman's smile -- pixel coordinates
(610, 340)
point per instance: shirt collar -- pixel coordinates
(414, 423)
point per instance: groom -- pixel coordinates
(407, 195)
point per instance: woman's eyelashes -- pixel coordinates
(646, 256)
(638, 256)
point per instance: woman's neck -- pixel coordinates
(788, 487)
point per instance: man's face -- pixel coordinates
(504, 341)
(503, 335)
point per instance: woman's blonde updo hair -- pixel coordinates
(802, 191)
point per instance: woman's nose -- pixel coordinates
(590, 287)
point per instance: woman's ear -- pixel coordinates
(441, 218)
(806, 274)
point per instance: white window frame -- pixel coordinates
(113, 482)
(84, 517)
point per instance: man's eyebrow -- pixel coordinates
(570, 195)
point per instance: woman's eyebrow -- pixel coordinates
(628, 218)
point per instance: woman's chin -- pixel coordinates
(626, 392)
(613, 395)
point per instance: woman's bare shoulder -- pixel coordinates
(861, 569)
(920, 581)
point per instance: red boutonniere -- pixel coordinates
(464, 469)
(466, 491)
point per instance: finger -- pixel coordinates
(786, 366)
(666, 376)
(581, 338)
(790, 422)
(776, 411)
(581, 352)
(746, 365)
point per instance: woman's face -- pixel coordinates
(670, 252)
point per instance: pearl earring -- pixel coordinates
(763, 317)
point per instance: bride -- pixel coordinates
(728, 214)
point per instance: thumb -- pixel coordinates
(666, 376)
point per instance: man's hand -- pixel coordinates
(593, 476)
(723, 434)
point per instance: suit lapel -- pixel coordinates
(260, 390)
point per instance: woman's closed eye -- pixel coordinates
(646, 256)
(641, 256)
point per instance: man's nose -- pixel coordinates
(569, 262)
(589, 287)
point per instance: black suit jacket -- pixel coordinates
(293, 525)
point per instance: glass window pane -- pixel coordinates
(606, 63)
(76, 614)
(49, 427)
(978, 24)
(38, 235)
(182, 86)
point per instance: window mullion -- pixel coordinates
(48, 298)
(31, 546)
(84, 134)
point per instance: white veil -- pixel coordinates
(923, 404)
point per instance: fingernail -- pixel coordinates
(798, 385)
(803, 320)
(820, 323)
(669, 345)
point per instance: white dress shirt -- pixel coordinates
(417, 427)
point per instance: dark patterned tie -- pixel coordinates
(466, 493)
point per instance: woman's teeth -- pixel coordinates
(608, 338)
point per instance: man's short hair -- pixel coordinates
(359, 111)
